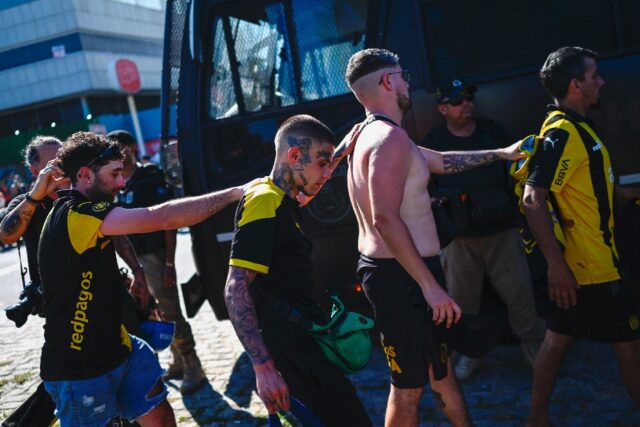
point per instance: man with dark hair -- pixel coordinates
(483, 208)
(271, 260)
(571, 173)
(398, 242)
(92, 368)
(145, 187)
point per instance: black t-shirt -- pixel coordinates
(83, 331)
(484, 190)
(269, 238)
(31, 235)
(146, 187)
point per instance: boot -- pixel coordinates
(175, 371)
(193, 376)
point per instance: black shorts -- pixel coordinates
(321, 386)
(410, 338)
(604, 313)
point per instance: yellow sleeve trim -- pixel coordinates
(83, 230)
(125, 339)
(264, 269)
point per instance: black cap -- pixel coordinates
(122, 137)
(452, 89)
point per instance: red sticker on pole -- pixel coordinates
(128, 76)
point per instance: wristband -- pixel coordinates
(31, 200)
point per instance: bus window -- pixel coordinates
(286, 53)
(328, 33)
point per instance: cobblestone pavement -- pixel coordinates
(589, 392)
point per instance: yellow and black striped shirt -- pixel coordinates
(574, 165)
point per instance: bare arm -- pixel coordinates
(15, 223)
(460, 161)
(138, 287)
(271, 387)
(388, 170)
(170, 215)
(562, 283)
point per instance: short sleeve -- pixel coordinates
(84, 222)
(15, 202)
(255, 232)
(554, 163)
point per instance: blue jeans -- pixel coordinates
(121, 392)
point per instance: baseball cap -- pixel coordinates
(452, 89)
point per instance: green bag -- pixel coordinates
(345, 338)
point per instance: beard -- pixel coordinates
(403, 101)
(98, 192)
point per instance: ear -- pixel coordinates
(386, 82)
(293, 153)
(84, 173)
(574, 86)
(442, 109)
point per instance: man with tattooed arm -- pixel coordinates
(271, 260)
(399, 264)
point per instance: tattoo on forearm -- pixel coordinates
(457, 161)
(15, 220)
(305, 145)
(243, 315)
(217, 202)
(438, 399)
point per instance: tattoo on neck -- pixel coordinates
(305, 146)
(283, 178)
(456, 161)
(243, 315)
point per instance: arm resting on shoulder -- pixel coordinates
(460, 161)
(170, 215)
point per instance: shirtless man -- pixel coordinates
(398, 242)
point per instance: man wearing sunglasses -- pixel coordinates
(92, 368)
(484, 210)
(398, 241)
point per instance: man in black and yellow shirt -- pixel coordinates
(92, 368)
(271, 261)
(572, 170)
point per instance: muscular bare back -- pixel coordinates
(389, 174)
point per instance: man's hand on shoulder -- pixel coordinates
(271, 387)
(511, 152)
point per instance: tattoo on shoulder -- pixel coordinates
(457, 161)
(305, 145)
(243, 315)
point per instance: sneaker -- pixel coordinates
(529, 351)
(465, 367)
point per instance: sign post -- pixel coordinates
(127, 79)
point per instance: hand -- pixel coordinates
(443, 306)
(562, 285)
(49, 179)
(241, 189)
(511, 152)
(271, 387)
(169, 276)
(139, 289)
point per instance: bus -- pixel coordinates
(233, 71)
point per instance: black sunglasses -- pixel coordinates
(111, 153)
(460, 99)
(405, 74)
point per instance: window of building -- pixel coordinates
(7, 4)
(467, 38)
(149, 4)
(282, 53)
